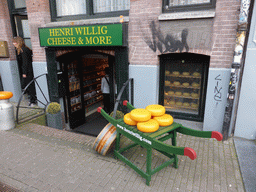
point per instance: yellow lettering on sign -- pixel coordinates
(108, 40)
(88, 40)
(102, 40)
(62, 41)
(104, 30)
(96, 40)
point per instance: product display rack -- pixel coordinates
(182, 96)
(93, 72)
(183, 82)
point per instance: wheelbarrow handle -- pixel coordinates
(217, 135)
(189, 152)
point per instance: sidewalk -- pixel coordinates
(39, 158)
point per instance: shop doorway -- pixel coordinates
(81, 74)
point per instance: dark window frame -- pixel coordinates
(185, 8)
(89, 13)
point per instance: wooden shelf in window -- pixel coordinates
(98, 88)
(183, 76)
(184, 97)
(179, 107)
(189, 87)
(94, 102)
(93, 71)
(97, 82)
(93, 96)
(95, 77)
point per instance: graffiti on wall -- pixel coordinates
(167, 43)
(218, 89)
(245, 4)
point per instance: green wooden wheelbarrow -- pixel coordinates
(154, 141)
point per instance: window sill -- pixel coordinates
(188, 15)
(88, 21)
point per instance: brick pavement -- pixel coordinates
(39, 158)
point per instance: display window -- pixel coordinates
(183, 84)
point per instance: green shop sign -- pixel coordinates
(93, 35)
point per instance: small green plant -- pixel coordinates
(119, 114)
(53, 108)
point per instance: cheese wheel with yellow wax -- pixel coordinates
(156, 110)
(128, 120)
(149, 126)
(179, 103)
(164, 120)
(140, 115)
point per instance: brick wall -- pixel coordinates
(140, 15)
(38, 16)
(6, 30)
(224, 33)
(223, 39)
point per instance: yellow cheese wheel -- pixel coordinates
(167, 83)
(164, 120)
(186, 94)
(156, 110)
(140, 115)
(149, 126)
(194, 105)
(179, 103)
(170, 92)
(185, 73)
(128, 120)
(196, 74)
(178, 93)
(186, 104)
(194, 95)
(185, 84)
(176, 73)
(176, 83)
(172, 102)
(195, 84)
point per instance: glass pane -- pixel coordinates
(182, 86)
(67, 7)
(28, 43)
(100, 6)
(19, 4)
(25, 27)
(187, 2)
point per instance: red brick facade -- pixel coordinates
(223, 39)
(38, 16)
(6, 30)
(224, 33)
(141, 13)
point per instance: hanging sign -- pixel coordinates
(92, 35)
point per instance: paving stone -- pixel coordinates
(46, 159)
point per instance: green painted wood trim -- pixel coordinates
(128, 147)
(196, 133)
(130, 164)
(160, 167)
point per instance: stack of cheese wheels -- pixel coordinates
(148, 120)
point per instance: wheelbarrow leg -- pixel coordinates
(174, 143)
(117, 143)
(149, 162)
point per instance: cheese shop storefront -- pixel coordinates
(77, 57)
